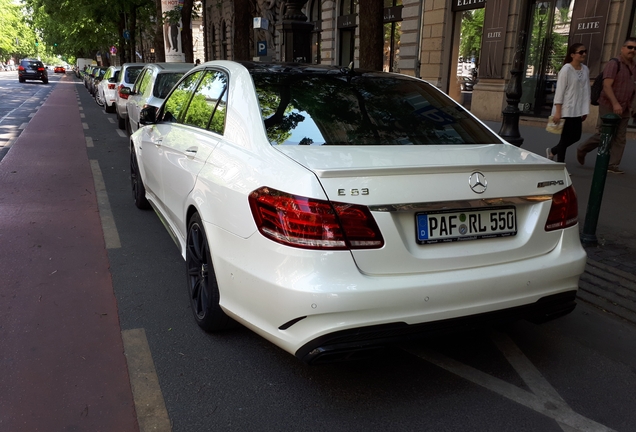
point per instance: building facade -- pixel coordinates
(466, 48)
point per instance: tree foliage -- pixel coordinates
(16, 38)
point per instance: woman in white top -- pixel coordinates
(571, 100)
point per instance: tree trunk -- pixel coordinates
(242, 30)
(132, 30)
(186, 31)
(372, 35)
(122, 42)
(160, 49)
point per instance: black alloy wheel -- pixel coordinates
(138, 189)
(202, 285)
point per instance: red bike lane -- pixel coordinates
(62, 357)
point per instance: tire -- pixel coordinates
(45, 81)
(109, 108)
(121, 123)
(137, 184)
(128, 127)
(21, 80)
(98, 99)
(203, 288)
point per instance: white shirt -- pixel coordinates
(573, 91)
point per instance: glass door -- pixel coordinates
(546, 47)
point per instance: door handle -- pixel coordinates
(191, 152)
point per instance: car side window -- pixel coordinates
(109, 72)
(179, 98)
(145, 81)
(207, 109)
(137, 86)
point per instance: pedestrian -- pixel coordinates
(571, 100)
(616, 97)
(198, 62)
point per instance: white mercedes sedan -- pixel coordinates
(334, 210)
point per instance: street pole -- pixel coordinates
(608, 130)
(510, 121)
(296, 31)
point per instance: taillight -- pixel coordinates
(111, 86)
(122, 95)
(40, 69)
(313, 224)
(564, 211)
(21, 68)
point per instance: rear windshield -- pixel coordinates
(322, 109)
(164, 83)
(132, 73)
(27, 63)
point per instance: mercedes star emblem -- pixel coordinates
(477, 182)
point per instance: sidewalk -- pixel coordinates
(63, 365)
(609, 281)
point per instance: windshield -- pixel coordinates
(132, 73)
(325, 109)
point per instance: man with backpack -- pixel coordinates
(619, 87)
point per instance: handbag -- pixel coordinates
(555, 128)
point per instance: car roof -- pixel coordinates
(171, 67)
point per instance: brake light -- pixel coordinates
(111, 86)
(564, 211)
(40, 69)
(21, 68)
(121, 95)
(313, 224)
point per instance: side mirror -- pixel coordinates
(148, 115)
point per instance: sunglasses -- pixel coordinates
(630, 47)
(581, 52)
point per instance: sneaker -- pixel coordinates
(548, 154)
(580, 157)
(615, 170)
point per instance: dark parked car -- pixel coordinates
(32, 69)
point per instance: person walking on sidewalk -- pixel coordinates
(616, 97)
(571, 100)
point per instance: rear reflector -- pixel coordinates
(564, 211)
(313, 224)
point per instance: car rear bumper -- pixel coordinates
(305, 300)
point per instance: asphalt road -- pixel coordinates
(575, 373)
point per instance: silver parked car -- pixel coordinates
(127, 76)
(151, 88)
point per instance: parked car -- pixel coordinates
(333, 210)
(127, 76)
(32, 69)
(95, 77)
(107, 89)
(151, 87)
(59, 69)
(87, 74)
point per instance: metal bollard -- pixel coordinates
(608, 130)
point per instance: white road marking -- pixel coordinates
(82, 115)
(32, 114)
(89, 141)
(81, 108)
(112, 120)
(23, 125)
(121, 133)
(543, 399)
(85, 125)
(111, 236)
(150, 406)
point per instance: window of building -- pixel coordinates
(392, 32)
(315, 16)
(347, 30)
(213, 43)
(224, 42)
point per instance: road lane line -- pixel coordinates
(23, 125)
(152, 414)
(121, 133)
(82, 115)
(112, 120)
(85, 125)
(556, 410)
(111, 236)
(89, 141)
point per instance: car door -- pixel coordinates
(188, 146)
(153, 136)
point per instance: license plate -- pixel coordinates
(461, 225)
